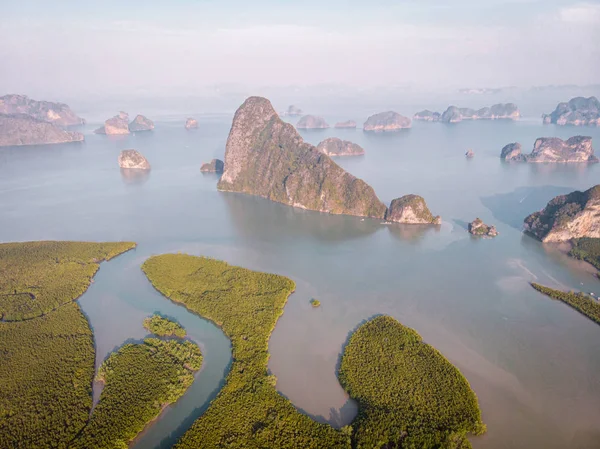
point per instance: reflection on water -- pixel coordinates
(134, 176)
(410, 232)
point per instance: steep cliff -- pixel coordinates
(267, 157)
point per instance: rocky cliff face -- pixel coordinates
(567, 217)
(386, 121)
(312, 122)
(346, 124)
(428, 116)
(191, 123)
(411, 209)
(214, 166)
(338, 147)
(553, 149)
(267, 157)
(132, 159)
(495, 112)
(117, 125)
(57, 113)
(478, 227)
(22, 129)
(578, 111)
(141, 123)
(512, 152)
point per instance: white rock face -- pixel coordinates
(133, 159)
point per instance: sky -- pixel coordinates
(53, 48)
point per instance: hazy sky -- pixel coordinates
(116, 46)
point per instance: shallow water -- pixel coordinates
(533, 362)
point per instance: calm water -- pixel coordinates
(533, 362)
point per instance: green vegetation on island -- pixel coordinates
(140, 379)
(248, 412)
(581, 302)
(46, 355)
(164, 327)
(587, 249)
(37, 277)
(409, 395)
(315, 302)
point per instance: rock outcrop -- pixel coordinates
(577, 149)
(312, 122)
(191, 123)
(495, 112)
(267, 157)
(119, 124)
(22, 129)
(386, 121)
(132, 159)
(567, 217)
(411, 209)
(214, 166)
(478, 227)
(428, 116)
(346, 124)
(470, 154)
(338, 147)
(553, 149)
(57, 113)
(578, 111)
(512, 153)
(141, 123)
(292, 111)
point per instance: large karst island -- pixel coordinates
(22, 129)
(567, 217)
(266, 157)
(56, 113)
(454, 114)
(577, 149)
(119, 125)
(578, 111)
(386, 121)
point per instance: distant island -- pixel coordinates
(132, 159)
(22, 129)
(577, 149)
(454, 114)
(567, 217)
(312, 122)
(191, 123)
(56, 113)
(333, 146)
(292, 111)
(119, 125)
(578, 111)
(346, 124)
(267, 157)
(386, 121)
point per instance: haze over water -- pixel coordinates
(533, 362)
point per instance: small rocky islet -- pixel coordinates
(214, 166)
(576, 149)
(455, 114)
(478, 227)
(578, 111)
(132, 159)
(119, 125)
(292, 111)
(191, 123)
(411, 209)
(333, 146)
